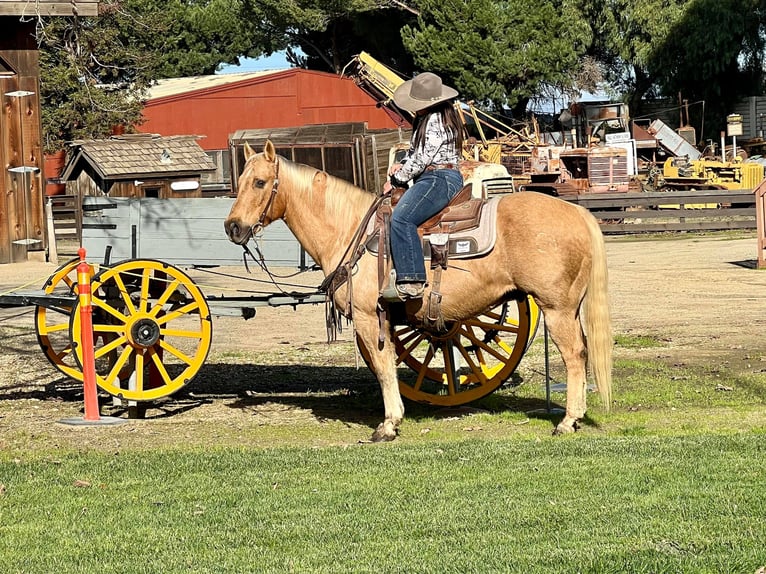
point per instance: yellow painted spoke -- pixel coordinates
(449, 371)
(408, 350)
(185, 310)
(169, 290)
(475, 369)
(160, 366)
(108, 328)
(106, 349)
(64, 353)
(114, 372)
(412, 334)
(481, 344)
(504, 346)
(507, 327)
(123, 293)
(56, 327)
(182, 333)
(145, 281)
(101, 304)
(176, 352)
(424, 369)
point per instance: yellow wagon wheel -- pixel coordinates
(468, 362)
(151, 327)
(52, 324)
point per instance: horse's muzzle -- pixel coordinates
(237, 232)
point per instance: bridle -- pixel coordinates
(256, 227)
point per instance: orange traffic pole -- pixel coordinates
(86, 336)
(92, 416)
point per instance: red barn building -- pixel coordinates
(217, 106)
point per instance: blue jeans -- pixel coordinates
(431, 193)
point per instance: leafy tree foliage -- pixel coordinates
(496, 52)
(499, 52)
(325, 35)
(713, 52)
(94, 70)
(709, 50)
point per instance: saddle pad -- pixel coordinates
(462, 244)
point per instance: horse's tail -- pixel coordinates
(597, 320)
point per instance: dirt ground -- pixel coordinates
(700, 294)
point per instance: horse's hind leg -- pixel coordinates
(383, 365)
(566, 332)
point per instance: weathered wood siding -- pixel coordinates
(22, 217)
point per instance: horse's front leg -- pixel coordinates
(383, 364)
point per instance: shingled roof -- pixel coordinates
(138, 156)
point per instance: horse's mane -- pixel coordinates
(341, 198)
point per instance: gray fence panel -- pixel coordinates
(182, 232)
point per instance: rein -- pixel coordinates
(343, 273)
(256, 228)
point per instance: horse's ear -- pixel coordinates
(269, 151)
(249, 152)
(320, 181)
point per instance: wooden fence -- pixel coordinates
(619, 213)
(646, 212)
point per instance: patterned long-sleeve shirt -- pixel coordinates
(438, 148)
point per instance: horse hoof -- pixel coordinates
(564, 428)
(383, 435)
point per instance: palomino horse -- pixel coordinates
(545, 247)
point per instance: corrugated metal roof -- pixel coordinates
(176, 86)
(124, 157)
(312, 134)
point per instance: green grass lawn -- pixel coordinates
(572, 504)
(672, 480)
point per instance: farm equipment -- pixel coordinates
(491, 141)
(152, 324)
(584, 170)
(710, 173)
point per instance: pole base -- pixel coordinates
(551, 411)
(101, 421)
(562, 388)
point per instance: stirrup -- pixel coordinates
(390, 293)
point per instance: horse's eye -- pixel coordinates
(260, 183)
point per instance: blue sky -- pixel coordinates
(276, 61)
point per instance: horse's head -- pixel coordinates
(255, 206)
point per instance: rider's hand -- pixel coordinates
(394, 168)
(387, 187)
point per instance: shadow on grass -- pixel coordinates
(344, 394)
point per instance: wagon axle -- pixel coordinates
(144, 333)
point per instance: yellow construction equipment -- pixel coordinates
(506, 145)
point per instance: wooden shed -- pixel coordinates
(349, 151)
(139, 165)
(217, 106)
(22, 218)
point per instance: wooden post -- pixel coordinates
(760, 218)
(53, 254)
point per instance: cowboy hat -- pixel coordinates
(422, 92)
